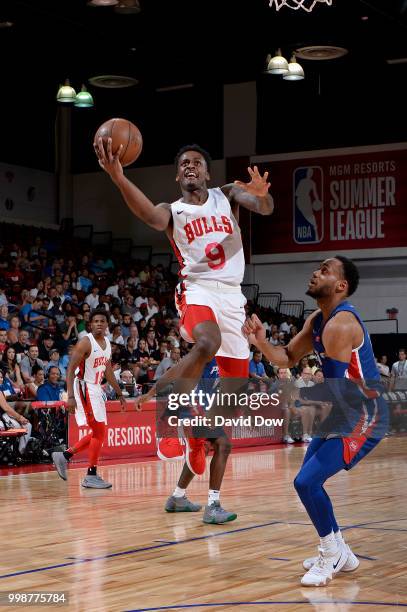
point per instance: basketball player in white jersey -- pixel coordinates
(203, 229)
(88, 365)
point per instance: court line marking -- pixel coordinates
(163, 545)
(272, 603)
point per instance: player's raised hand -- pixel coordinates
(107, 160)
(254, 331)
(258, 185)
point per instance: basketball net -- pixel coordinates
(306, 5)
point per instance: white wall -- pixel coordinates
(97, 201)
(15, 182)
(382, 285)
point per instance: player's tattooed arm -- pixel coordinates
(253, 195)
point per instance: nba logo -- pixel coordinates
(308, 208)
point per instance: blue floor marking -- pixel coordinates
(271, 603)
(204, 537)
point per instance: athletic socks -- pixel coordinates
(213, 496)
(329, 544)
(339, 538)
(92, 470)
(67, 454)
(178, 492)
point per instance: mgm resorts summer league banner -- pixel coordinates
(348, 199)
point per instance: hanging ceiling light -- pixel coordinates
(295, 71)
(278, 64)
(103, 2)
(128, 7)
(84, 99)
(66, 94)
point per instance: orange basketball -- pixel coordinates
(122, 132)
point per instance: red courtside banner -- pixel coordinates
(132, 434)
(337, 200)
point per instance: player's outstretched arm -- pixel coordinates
(253, 195)
(79, 353)
(281, 356)
(157, 217)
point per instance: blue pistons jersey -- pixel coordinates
(362, 365)
(355, 394)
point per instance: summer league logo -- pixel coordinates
(308, 208)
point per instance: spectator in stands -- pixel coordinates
(38, 380)
(44, 346)
(173, 338)
(65, 358)
(304, 408)
(275, 338)
(134, 332)
(37, 290)
(256, 367)
(55, 361)
(129, 306)
(125, 326)
(152, 308)
(69, 328)
(93, 298)
(168, 362)
(84, 282)
(144, 275)
(283, 377)
(113, 289)
(12, 419)
(383, 367)
(116, 335)
(28, 362)
(318, 377)
(11, 368)
(83, 323)
(50, 391)
(133, 280)
(162, 352)
(398, 381)
(152, 343)
(3, 341)
(23, 344)
(128, 384)
(4, 323)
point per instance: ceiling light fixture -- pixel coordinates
(295, 70)
(66, 94)
(84, 99)
(278, 64)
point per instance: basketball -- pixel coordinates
(317, 205)
(122, 132)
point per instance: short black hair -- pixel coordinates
(98, 312)
(198, 149)
(350, 273)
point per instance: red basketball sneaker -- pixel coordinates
(195, 455)
(169, 448)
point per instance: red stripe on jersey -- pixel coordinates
(81, 369)
(178, 256)
(355, 374)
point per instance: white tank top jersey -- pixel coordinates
(207, 240)
(92, 369)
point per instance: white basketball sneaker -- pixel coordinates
(351, 564)
(325, 568)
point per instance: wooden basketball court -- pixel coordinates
(118, 550)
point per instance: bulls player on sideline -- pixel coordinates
(203, 229)
(88, 365)
(358, 418)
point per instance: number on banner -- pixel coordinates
(216, 254)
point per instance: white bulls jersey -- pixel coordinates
(207, 240)
(92, 369)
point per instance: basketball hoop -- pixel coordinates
(306, 5)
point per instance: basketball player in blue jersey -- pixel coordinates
(358, 418)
